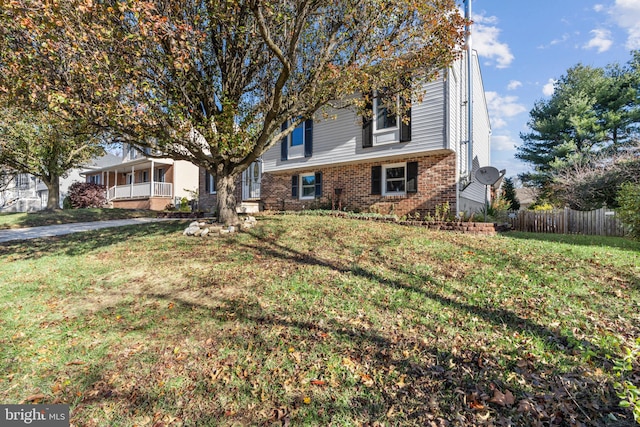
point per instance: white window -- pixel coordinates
(296, 142)
(384, 118)
(307, 186)
(22, 180)
(212, 184)
(94, 179)
(129, 178)
(145, 176)
(394, 179)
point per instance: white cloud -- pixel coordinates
(502, 143)
(502, 108)
(598, 7)
(626, 13)
(548, 89)
(514, 84)
(485, 36)
(601, 40)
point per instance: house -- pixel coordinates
(526, 196)
(138, 181)
(380, 165)
(21, 192)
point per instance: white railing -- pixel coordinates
(162, 189)
(137, 191)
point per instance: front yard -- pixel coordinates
(319, 321)
(66, 216)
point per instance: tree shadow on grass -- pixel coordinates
(395, 379)
(81, 243)
(553, 340)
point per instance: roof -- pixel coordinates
(104, 161)
(526, 195)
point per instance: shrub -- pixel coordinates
(86, 195)
(629, 211)
(66, 203)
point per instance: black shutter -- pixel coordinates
(318, 184)
(412, 177)
(294, 186)
(207, 189)
(405, 128)
(308, 138)
(376, 179)
(367, 123)
(284, 146)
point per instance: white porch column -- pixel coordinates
(152, 171)
(133, 179)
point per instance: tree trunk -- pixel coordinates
(53, 202)
(226, 199)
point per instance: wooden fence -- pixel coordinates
(601, 222)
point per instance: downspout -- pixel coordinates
(469, 91)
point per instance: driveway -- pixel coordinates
(61, 229)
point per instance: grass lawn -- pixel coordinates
(319, 321)
(36, 219)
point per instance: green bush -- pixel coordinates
(629, 210)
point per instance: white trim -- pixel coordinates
(301, 186)
(212, 184)
(375, 116)
(388, 135)
(296, 151)
(384, 179)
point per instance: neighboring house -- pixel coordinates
(137, 181)
(526, 196)
(380, 165)
(21, 192)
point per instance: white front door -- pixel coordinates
(251, 181)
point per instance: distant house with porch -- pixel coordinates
(138, 181)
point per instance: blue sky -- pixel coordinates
(525, 45)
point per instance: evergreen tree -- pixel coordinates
(593, 111)
(509, 194)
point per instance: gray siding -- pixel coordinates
(475, 192)
(339, 140)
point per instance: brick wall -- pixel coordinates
(436, 185)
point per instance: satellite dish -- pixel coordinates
(487, 175)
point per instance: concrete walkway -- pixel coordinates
(61, 229)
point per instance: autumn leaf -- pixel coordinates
(502, 399)
(367, 380)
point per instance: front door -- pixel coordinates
(251, 181)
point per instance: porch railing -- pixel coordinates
(141, 190)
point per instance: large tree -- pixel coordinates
(213, 81)
(592, 112)
(45, 146)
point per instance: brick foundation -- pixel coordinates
(436, 185)
(153, 203)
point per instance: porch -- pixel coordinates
(140, 191)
